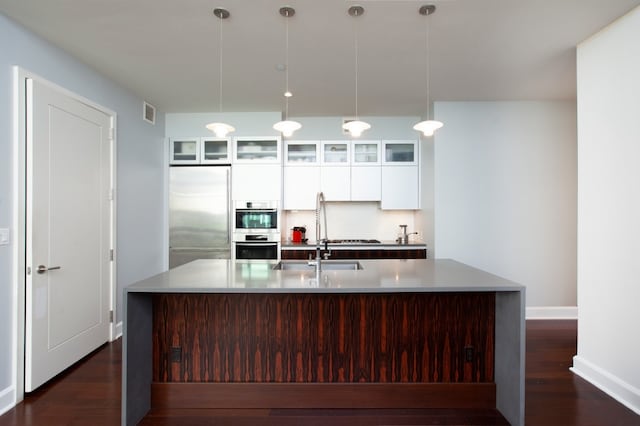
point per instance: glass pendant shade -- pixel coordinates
(356, 127)
(287, 127)
(427, 127)
(220, 129)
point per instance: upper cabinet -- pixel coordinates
(301, 174)
(301, 153)
(265, 150)
(365, 170)
(215, 150)
(403, 152)
(335, 153)
(184, 150)
(197, 150)
(400, 175)
(365, 153)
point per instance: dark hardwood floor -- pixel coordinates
(89, 394)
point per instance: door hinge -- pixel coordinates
(111, 316)
(111, 255)
(111, 194)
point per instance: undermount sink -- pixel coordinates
(327, 265)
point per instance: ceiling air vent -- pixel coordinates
(149, 113)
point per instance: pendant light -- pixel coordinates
(220, 129)
(356, 127)
(428, 126)
(286, 126)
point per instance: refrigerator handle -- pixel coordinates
(229, 208)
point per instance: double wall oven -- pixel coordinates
(256, 230)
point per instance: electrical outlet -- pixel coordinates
(468, 353)
(175, 354)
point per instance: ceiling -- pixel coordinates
(167, 51)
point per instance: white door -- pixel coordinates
(68, 231)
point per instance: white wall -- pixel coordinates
(139, 173)
(609, 210)
(246, 123)
(355, 220)
(505, 193)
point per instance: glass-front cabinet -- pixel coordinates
(400, 152)
(336, 153)
(199, 150)
(301, 153)
(257, 149)
(365, 153)
(400, 169)
(215, 150)
(184, 150)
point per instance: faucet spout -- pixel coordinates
(320, 205)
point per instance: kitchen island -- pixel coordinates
(394, 334)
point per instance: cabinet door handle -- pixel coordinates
(42, 269)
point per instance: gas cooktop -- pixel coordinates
(353, 241)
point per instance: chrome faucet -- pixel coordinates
(320, 203)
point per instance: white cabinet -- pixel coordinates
(215, 151)
(256, 182)
(197, 150)
(335, 153)
(301, 184)
(403, 152)
(365, 170)
(366, 183)
(365, 153)
(400, 188)
(301, 153)
(184, 150)
(362, 170)
(256, 150)
(400, 175)
(335, 183)
(301, 174)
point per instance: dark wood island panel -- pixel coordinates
(351, 254)
(280, 350)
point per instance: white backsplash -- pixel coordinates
(346, 220)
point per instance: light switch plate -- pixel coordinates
(4, 236)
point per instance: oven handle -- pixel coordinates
(256, 210)
(249, 243)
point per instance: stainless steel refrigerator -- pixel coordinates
(199, 213)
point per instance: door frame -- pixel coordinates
(20, 197)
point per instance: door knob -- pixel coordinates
(42, 269)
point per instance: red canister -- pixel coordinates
(296, 236)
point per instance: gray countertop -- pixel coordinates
(412, 275)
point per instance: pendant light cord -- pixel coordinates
(286, 68)
(220, 61)
(356, 54)
(428, 62)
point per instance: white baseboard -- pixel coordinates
(118, 332)
(7, 399)
(613, 386)
(551, 312)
